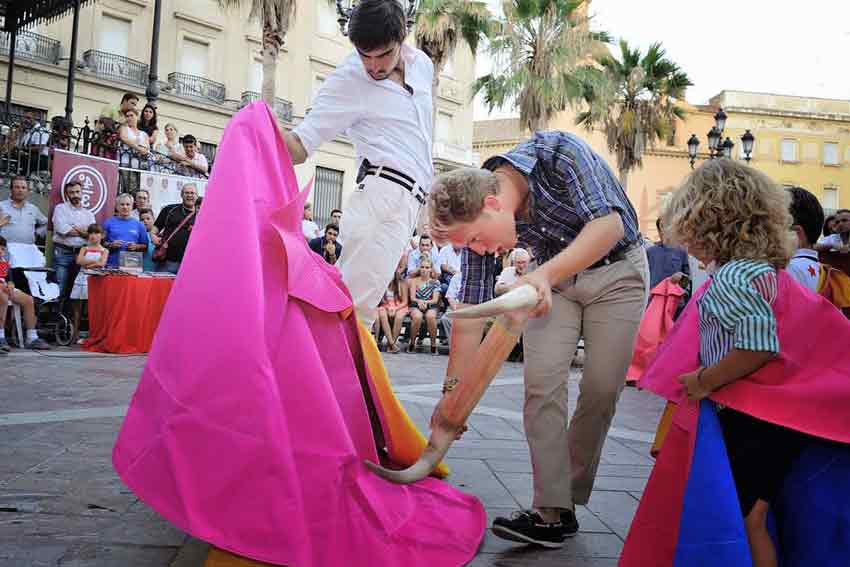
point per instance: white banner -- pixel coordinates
(165, 188)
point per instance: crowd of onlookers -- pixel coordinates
(126, 133)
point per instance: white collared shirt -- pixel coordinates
(64, 217)
(388, 125)
(449, 256)
(804, 267)
(26, 222)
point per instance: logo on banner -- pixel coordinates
(94, 186)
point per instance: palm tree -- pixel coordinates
(634, 103)
(440, 24)
(539, 52)
(275, 17)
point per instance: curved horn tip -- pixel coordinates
(406, 476)
(523, 297)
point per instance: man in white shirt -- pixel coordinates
(308, 225)
(35, 141)
(448, 261)
(380, 97)
(511, 274)
(840, 239)
(807, 213)
(195, 163)
(70, 229)
(20, 220)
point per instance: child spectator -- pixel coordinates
(146, 217)
(92, 255)
(808, 220)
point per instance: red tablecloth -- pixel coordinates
(124, 312)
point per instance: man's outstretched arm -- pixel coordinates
(295, 147)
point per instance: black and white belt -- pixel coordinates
(395, 176)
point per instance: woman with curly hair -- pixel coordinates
(735, 220)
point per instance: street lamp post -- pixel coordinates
(717, 146)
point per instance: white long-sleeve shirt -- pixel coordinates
(64, 218)
(388, 125)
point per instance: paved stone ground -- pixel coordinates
(62, 504)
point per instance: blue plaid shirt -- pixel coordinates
(569, 186)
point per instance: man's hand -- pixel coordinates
(695, 389)
(330, 248)
(538, 280)
(4, 220)
(116, 244)
(435, 420)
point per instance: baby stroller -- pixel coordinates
(31, 276)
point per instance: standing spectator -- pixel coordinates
(175, 224)
(146, 216)
(839, 240)
(106, 137)
(308, 225)
(9, 293)
(20, 220)
(425, 250)
(327, 245)
(169, 152)
(512, 274)
(667, 261)
(135, 148)
(92, 255)
(141, 201)
(35, 143)
(423, 297)
(828, 226)
(129, 102)
(195, 163)
(147, 124)
(123, 232)
(336, 219)
(70, 231)
(448, 263)
(807, 215)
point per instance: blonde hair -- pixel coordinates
(731, 211)
(457, 196)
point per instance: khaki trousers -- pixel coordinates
(376, 227)
(604, 306)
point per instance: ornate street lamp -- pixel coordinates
(344, 8)
(748, 140)
(717, 146)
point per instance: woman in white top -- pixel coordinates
(135, 147)
(169, 151)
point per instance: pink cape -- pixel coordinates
(656, 322)
(249, 428)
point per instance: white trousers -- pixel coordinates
(377, 223)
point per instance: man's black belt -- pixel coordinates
(613, 256)
(393, 175)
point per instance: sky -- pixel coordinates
(755, 45)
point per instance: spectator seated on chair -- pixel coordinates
(448, 261)
(423, 298)
(327, 246)
(426, 249)
(20, 220)
(452, 294)
(8, 293)
(391, 313)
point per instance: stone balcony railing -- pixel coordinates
(282, 108)
(198, 88)
(115, 67)
(32, 46)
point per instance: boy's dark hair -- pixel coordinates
(333, 227)
(2, 241)
(129, 96)
(807, 212)
(145, 212)
(840, 211)
(377, 23)
(94, 228)
(189, 139)
(336, 211)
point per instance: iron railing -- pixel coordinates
(192, 86)
(32, 46)
(116, 67)
(282, 108)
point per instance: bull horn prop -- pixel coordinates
(456, 406)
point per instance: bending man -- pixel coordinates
(559, 198)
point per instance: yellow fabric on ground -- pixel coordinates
(404, 441)
(663, 428)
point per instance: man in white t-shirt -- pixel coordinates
(807, 213)
(380, 97)
(195, 164)
(511, 274)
